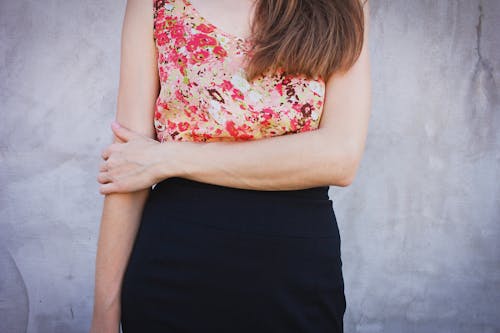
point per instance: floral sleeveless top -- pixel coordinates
(204, 95)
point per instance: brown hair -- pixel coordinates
(310, 37)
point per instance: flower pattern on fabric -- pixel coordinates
(204, 95)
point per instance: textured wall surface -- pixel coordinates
(420, 225)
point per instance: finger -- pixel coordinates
(121, 132)
(104, 178)
(112, 187)
(105, 154)
(106, 188)
(103, 167)
(117, 139)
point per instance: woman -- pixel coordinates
(216, 215)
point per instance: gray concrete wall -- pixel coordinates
(420, 225)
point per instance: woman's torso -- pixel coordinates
(204, 95)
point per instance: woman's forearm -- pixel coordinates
(119, 224)
(287, 162)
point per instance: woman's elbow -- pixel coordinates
(347, 167)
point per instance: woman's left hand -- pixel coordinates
(128, 165)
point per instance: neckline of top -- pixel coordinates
(216, 27)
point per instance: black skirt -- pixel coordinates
(210, 258)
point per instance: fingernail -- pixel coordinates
(115, 124)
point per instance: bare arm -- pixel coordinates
(138, 90)
(329, 155)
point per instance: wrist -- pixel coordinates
(168, 160)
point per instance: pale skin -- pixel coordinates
(135, 161)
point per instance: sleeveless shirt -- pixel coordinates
(204, 95)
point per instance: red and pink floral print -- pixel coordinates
(204, 95)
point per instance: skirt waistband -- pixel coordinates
(177, 202)
(183, 186)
